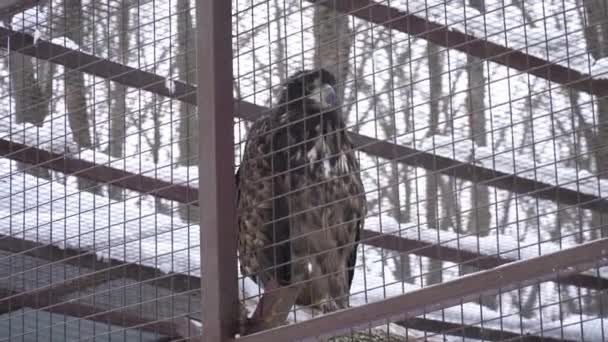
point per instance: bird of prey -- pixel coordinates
(301, 204)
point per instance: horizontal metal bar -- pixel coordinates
(458, 256)
(81, 61)
(100, 173)
(156, 84)
(9, 8)
(110, 267)
(182, 283)
(442, 35)
(53, 290)
(471, 331)
(181, 193)
(114, 317)
(463, 289)
(479, 174)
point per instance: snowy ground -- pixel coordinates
(50, 212)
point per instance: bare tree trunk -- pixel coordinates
(279, 54)
(449, 205)
(32, 87)
(402, 271)
(186, 66)
(333, 41)
(31, 100)
(435, 63)
(75, 90)
(596, 28)
(188, 121)
(596, 34)
(480, 217)
(119, 110)
(155, 148)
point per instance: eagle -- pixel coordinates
(300, 200)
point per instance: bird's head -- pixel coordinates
(314, 89)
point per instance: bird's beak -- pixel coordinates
(327, 96)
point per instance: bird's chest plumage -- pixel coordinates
(301, 201)
(322, 184)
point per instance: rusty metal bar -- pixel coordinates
(479, 174)
(471, 331)
(219, 281)
(156, 84)
(114, 317)
(98, 172)
(8, 8)
(54, 290)
(78, 60)
(458, 256)
(364, 9)
(436, 297)
(181, 193)
(441, 35)
(182, 283)
(112, 268)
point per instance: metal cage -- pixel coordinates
(479, 131)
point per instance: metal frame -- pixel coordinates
(217, 212)
(178, 282)
(185, 194)
(442, 35)
(219, 284)
(75, 309)
(131, 77)
(436, 297)
(10, 7)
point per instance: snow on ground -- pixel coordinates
(52, 213)
(55, 137)
(553, 172)
(600, 68)
(506, 24)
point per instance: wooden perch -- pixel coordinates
(273, 307)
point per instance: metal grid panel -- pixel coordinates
(88, 254)
(478, 126)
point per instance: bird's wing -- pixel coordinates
(361, 212)
(352, 261)
(262, 213)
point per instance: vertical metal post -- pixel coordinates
(219, 284)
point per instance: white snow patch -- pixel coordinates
(599, 69)
(51, 213)
(312, 153)
(342, 163)
(551, 173)
(37, 35)
(66, 42)
(170, 84)
(53, 136)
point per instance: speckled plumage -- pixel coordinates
(301, 203)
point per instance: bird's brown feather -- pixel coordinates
(301, 202)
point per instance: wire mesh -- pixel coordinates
(477, 129)
(89, 248)
(471, 123)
